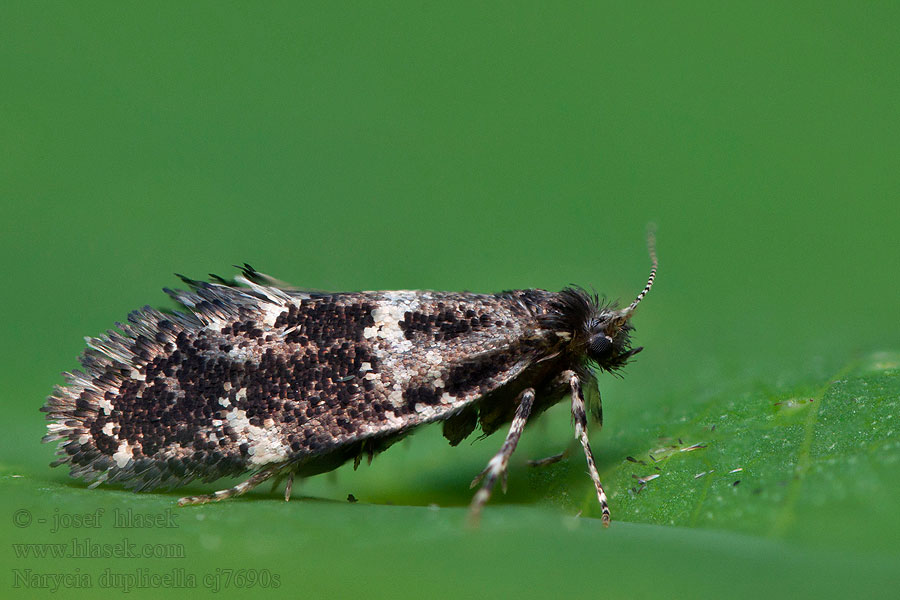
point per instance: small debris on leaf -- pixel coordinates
(694, 447)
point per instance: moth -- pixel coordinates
(258, 377)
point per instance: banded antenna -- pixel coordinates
(651, 248)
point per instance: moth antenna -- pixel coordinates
(651, 248)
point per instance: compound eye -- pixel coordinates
(600, 346)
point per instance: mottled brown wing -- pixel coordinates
(259, 375)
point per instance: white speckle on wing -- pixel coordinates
(389, 343)
(387, 322)
(215, 323)
(270, 313)
(425, 410)
(122, 455)
(265, 444)
(239, 354)
(393, 419)
(396, 398)
(108, 429)
(106, 405)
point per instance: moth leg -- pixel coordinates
(241, 488)
(497, 465)
(580, 417)
(286, 475)
(289, 486)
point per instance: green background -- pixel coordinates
(468, 146)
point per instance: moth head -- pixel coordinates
(598, 331)
(608, 340)
(590, 328)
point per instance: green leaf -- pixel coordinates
(816, 497)
(810, 463)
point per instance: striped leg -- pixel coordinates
(289, 486)
(578, 414)
(497, 465)
(244, 486)
(287, 475)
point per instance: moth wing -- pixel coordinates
(126, 417)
